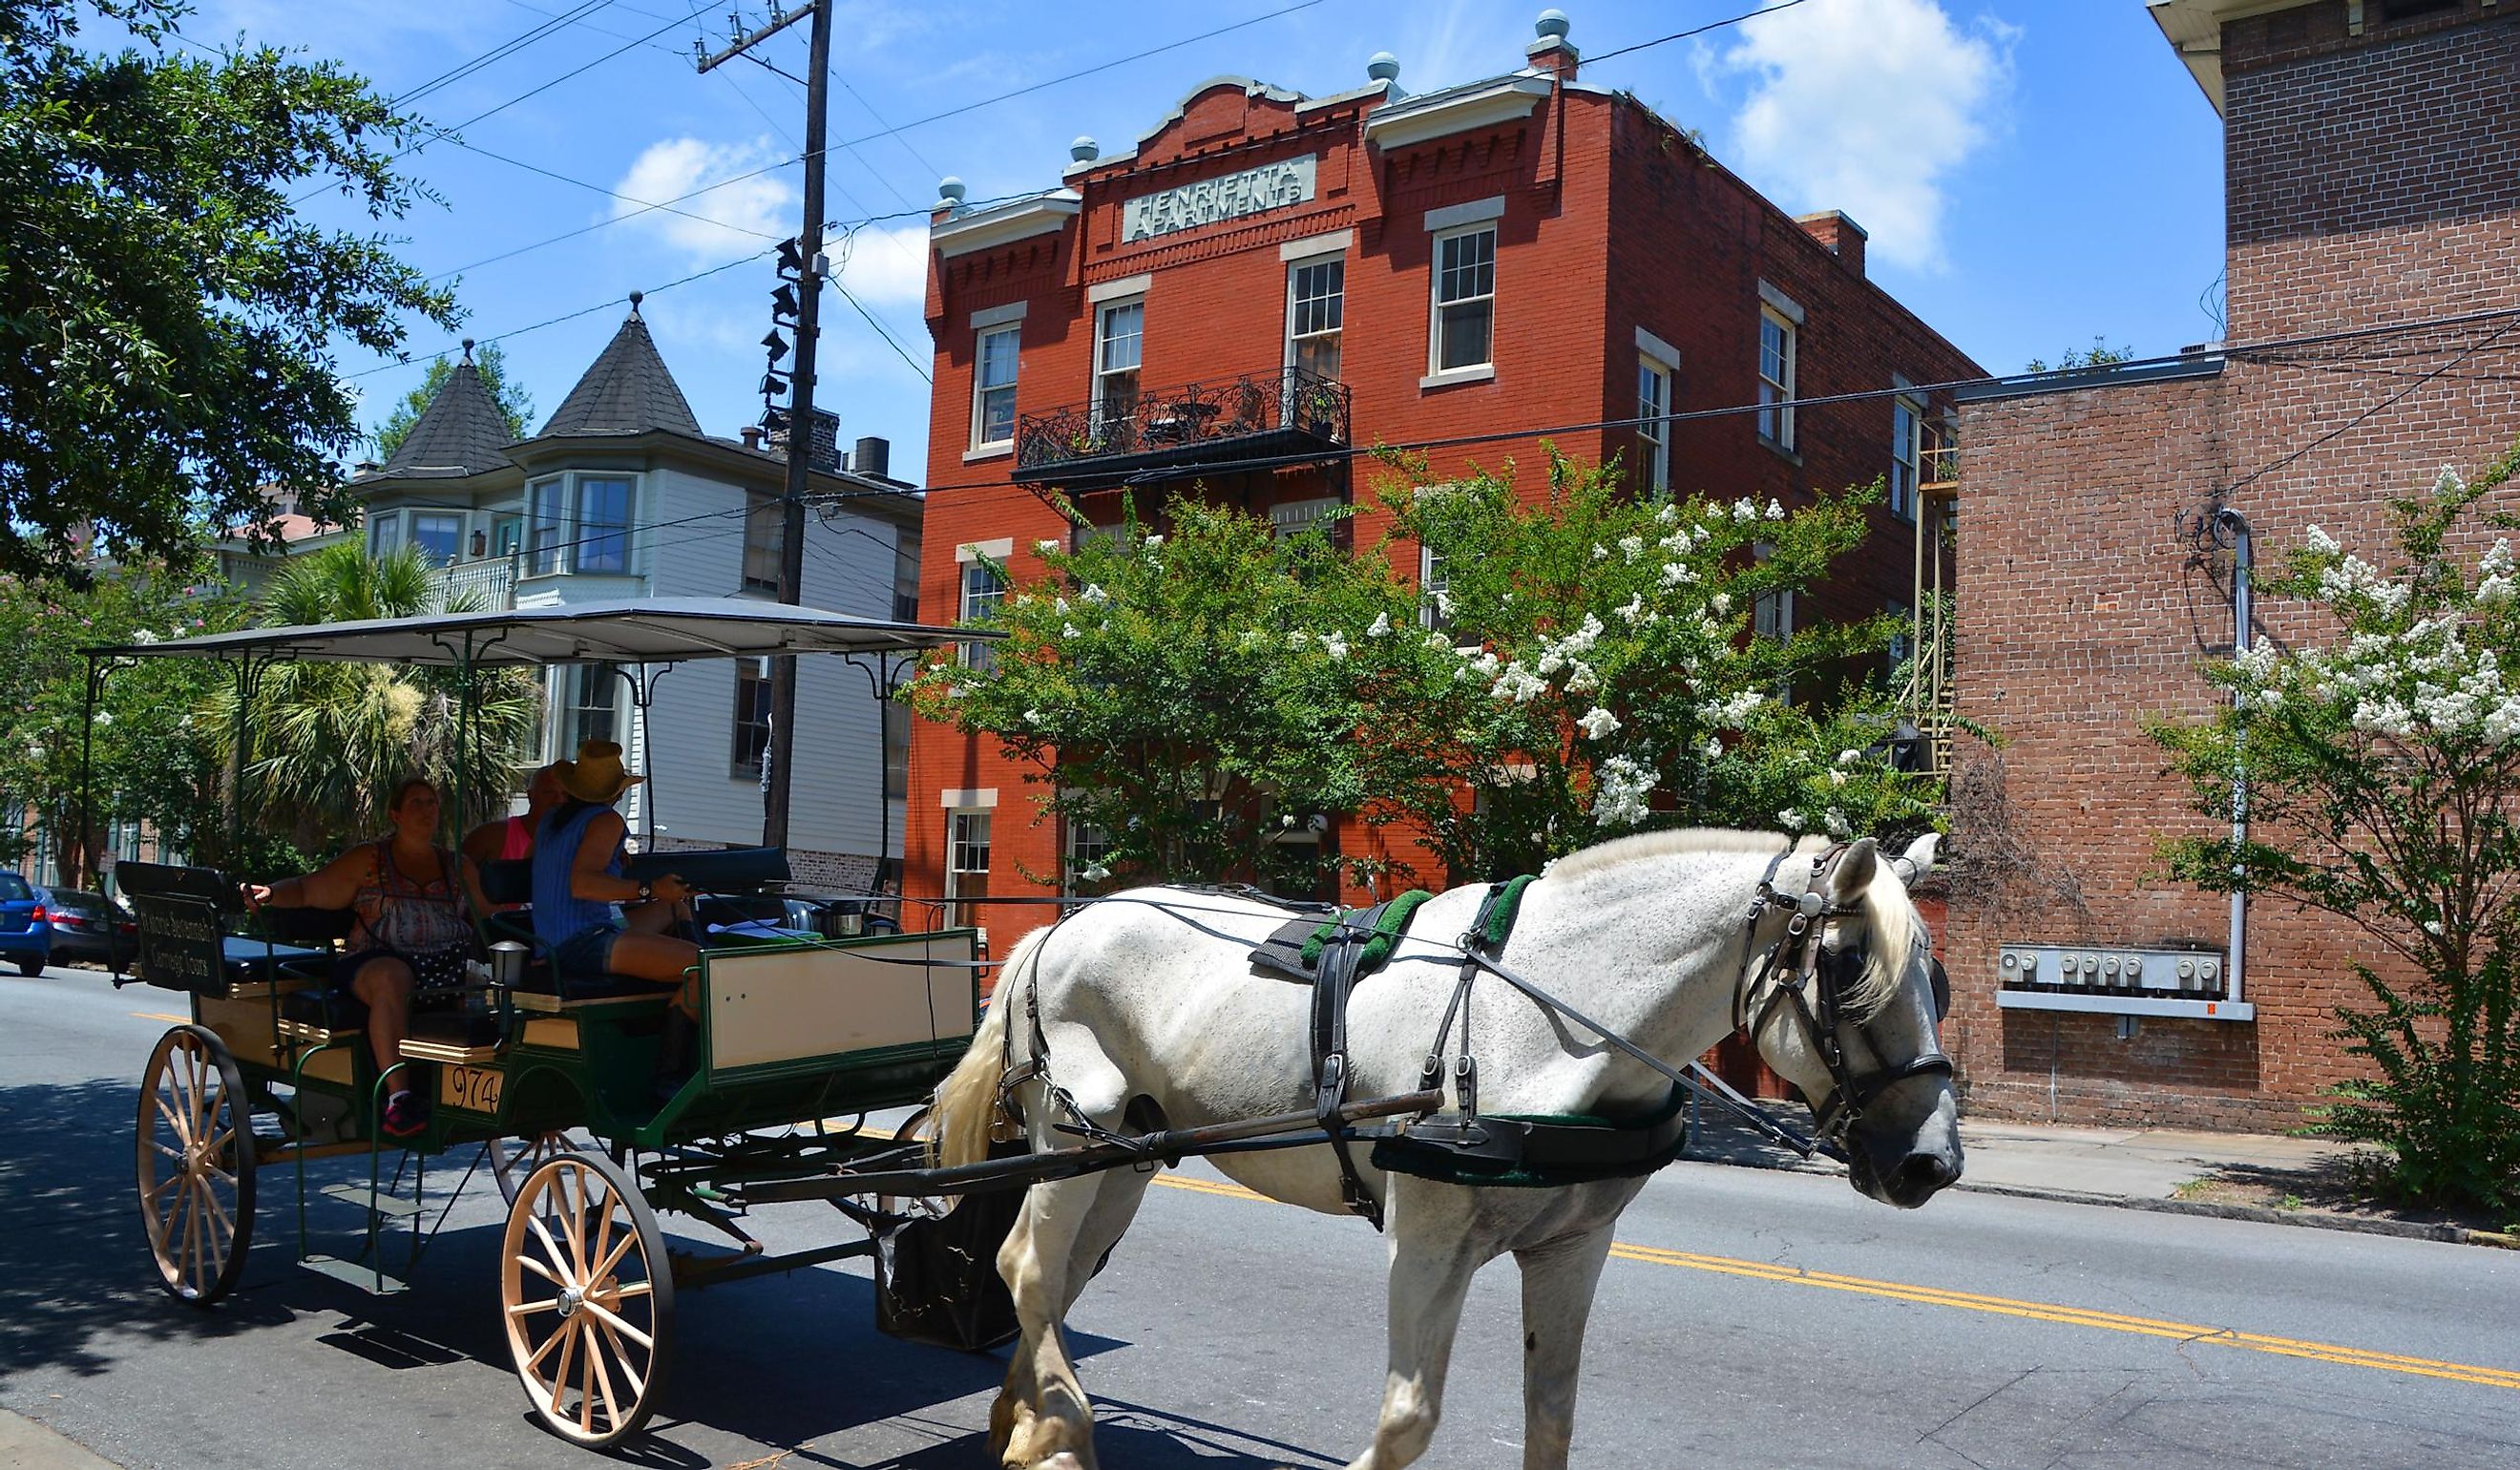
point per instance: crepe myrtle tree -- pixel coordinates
(1179, 694)
(1591, 664)
(2383, 788)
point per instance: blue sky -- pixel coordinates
(2034, 172)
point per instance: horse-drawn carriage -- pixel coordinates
(1075, 1083)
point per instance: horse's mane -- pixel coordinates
(1895, 928)
(1682, 841)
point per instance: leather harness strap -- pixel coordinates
(1332, 984)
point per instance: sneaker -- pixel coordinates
(406, 1114)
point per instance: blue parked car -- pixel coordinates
(25, 931)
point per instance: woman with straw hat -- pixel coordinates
(580, 892)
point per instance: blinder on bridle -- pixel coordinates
(1804, 961)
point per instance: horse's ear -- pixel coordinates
(1918, 859)
(1854, 872)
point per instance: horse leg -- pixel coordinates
(1115, 1204)
(1431, 1266)
(1558, 1280)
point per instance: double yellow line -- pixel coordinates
(2041, 1311)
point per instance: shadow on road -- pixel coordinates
(75, 1268)
(783, 1360)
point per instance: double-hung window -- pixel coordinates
(1653, 426)
(993, 387)
(602, 525)
(1907, 439)
(547, 535)
(1464, 299)
(384, 533)
(752, 743)
(983, 591)
(1315, 312)
(765, 538)
(1776, 352)
(1434, 607)
(1089, 844)
(1119, 346)
(589, 692)
(967, 860)
(439, 534)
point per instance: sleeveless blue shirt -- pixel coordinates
(559, 913)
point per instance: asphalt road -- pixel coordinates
(1751, 1319)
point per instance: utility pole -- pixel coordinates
(801, 418)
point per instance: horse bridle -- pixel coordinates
(1801, 961)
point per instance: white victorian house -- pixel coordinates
(621, 495)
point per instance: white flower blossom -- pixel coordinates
(1621, 790)
(2497, 561)
(1673, 573)
(1632, 609)
(1334, 645)
(105, 717)
(1095, 873)
(1598, 724)
(1745, 509)
(144, 635)
(1438, 641)
(1154, 543)
(1849, 757)
(1517, 683)
(1070, 631)
(1667, 515)
(1058, 605)
(1297, 639)
(1381, 625)
(1094, 593)
(1600, 553)
(1775, 511)
(1722, 603)
(1714, 748)
(1581, 680)
(1836, 776)
(1791, 819)
(2317, 540)
(1835, 822)
(1044, 547)
(1632, 546)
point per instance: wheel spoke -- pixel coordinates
(573, 1223)
(213, 1246)
(567, 1357)
(612, 1320)
(172, 1153)
(604, 1267)
(211, 1199)
(558, 1257)
(540, 1270)
(586, 1383)
(167, 1111)
(603, 1385)
(161, 1187)
(601, 1251)
(558, 1333)
(621, 1360)
(200, 1089)
(528, 1308)
(191, 1254)
(630, 1289)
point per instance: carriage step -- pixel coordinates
(392, 1207)
(366, 1278)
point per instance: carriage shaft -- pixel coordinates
(1296, 1129)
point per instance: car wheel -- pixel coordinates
(32, 970)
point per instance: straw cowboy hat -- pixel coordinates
(595, 774)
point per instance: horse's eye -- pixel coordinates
(1942, 980)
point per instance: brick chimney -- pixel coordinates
(1843, 235)
(1552, 51)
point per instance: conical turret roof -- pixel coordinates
(627, 391)
(460, 433)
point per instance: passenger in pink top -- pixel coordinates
(512, 837)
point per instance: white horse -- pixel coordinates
(1152, 1018)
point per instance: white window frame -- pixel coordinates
(1906, 453)
(570, 684)
(1485, 367)
(765, 529)
(1103, 312)
(462, 524)
(1653, 429)
(970, 595)
(1334, 261)
(1012, 334)
(962, 824)
(1075, 838)
(545, 557)
(384, 533)
(1776, 418)
(580, 541)
(1432, 582)
(1289, 517)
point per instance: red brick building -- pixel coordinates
(1273, 276)
(2373, 156)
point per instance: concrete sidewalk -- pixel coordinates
(2273, 1178)
(26, 1444)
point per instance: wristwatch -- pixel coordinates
(647, 893)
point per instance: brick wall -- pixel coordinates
(1611, 223)
(2372, 182)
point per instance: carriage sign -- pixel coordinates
(1253, 191)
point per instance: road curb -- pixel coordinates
(2317, 1220)
(31, 1445)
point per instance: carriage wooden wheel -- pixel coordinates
(196, 1165)
(514, 1158)
(588, 1299)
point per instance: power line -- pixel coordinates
(505, 49)
(1694, 30)
(409, 358)
(2026, 382)
(2461, 356)
(1025, 91)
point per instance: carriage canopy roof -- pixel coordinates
(652, 630)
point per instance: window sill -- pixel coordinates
(988, 452)
(1780, 451)
(1483, 373)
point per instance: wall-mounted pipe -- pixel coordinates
(2243, 562)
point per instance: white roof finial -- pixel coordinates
(1383, 67)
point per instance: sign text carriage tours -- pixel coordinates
(1494, 1069)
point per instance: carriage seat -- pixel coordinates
(452, 1036)
(321, 1015)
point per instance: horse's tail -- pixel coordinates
(967, 1101)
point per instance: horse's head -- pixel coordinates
(1851, 1015)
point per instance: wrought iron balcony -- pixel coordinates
(1259, 416)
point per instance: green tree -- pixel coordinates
(167, 321)
(516, 405)
(328, 739)
(149, 752)
(2099, 355)
(1166, 694)
(1599, 669)
(2383, 771)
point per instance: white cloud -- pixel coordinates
(744, 213)
(885, 267)
(1866, 105)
